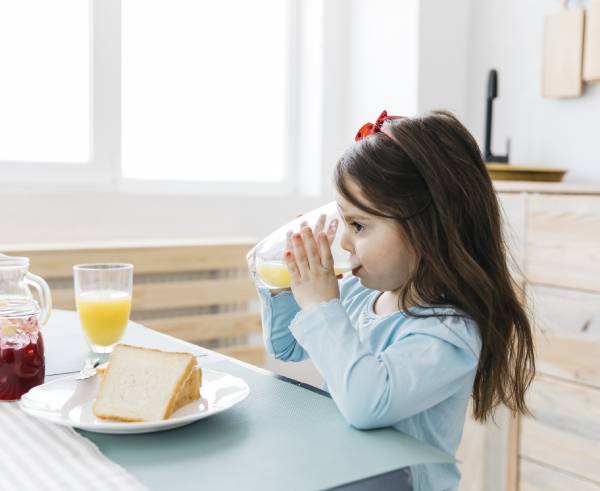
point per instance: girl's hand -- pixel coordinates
(319, 226)
(310, 264)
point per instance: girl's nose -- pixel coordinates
(345, 241)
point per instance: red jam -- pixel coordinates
(22, 364)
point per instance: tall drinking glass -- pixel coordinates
(103, 298)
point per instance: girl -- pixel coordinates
(430, 314)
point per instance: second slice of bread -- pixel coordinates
(142, 384)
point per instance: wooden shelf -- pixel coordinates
(510, 172)
(546, 187)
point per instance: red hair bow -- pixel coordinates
(370, 128)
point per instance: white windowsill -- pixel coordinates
(154, 188)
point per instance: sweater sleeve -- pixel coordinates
(277, 313)
(415, 373)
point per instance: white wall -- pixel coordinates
(382, 48)
(99, 216)
(507, 35)
(443, 56)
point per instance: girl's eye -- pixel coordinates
(357, 226)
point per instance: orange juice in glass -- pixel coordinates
(275, 274)
(103, 298)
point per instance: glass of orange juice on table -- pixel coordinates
(103, 298)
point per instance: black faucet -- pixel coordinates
(492, 93)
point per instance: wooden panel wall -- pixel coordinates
(200, 293)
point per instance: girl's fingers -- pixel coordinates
(290, 262)
(325, 252)
(320, 225)
(300, 255)
(332, 230)
(312, 249)
(288, 239)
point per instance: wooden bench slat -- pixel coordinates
(176, 294)
(199, 328)
(53, 264)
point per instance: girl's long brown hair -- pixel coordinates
(434, 183)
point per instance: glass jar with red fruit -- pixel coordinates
(22, 363)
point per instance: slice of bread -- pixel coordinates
(190, 391)
(142, 384)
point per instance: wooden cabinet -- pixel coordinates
(563, 241)
(563, 432)
(568, 333)
(538, 477)
(563, 274)
(553, 231)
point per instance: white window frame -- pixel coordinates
(103, 170)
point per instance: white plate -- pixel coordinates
(68, 402)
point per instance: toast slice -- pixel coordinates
(142, 384)
(190, 391)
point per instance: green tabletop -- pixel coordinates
(283, 436)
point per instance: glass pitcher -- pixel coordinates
(265, 260)
(22, 362)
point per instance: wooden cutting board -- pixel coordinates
(591, 56)
(563, 53)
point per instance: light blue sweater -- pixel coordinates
(384, 370)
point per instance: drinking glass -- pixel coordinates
(103, 298)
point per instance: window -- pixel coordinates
(45, 82)
(204, 90)
(118, 92)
